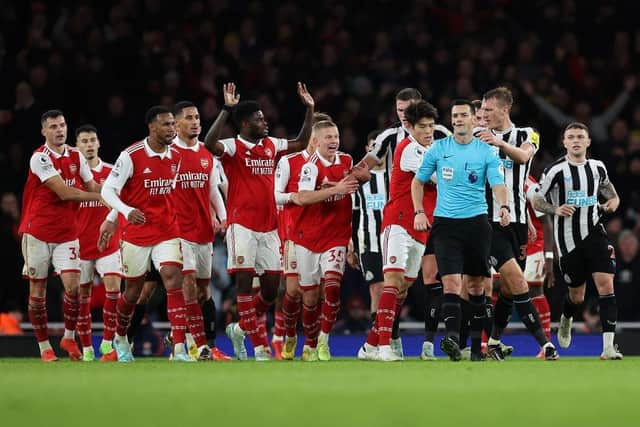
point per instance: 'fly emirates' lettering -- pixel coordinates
(158, 186)
(260, 166)
(192, 180)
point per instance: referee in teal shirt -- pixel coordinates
(461, 229)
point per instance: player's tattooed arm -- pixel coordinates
(541, 205)
(212, 139)
(300, 142)
(608, 191)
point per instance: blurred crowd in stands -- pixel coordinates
(106, 62)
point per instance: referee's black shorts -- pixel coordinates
(462, 245)
(509, 242)
(595, 254)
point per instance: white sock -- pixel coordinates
(178, 348)
(87, 349)
(237, 329)
(259, 349)
(105, 342)
(277, 338)
(44, 345)
(121, 338)
(68, 333)
(607, 339)
(369, 347)
(189, 339)
(323, 338)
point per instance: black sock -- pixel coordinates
(529, 316)
(432, 303)
(451, 313)
(477, 320)
(395, 331)
(467, 314)
(608, 312)
(569, 308)
(136, 320)
(501, 315)
(209, 318)
(487, 322)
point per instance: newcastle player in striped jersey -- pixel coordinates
(569, 190)
(368, 203)
(516, 148)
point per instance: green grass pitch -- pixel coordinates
(155, 392)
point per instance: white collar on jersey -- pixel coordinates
(326, 162)
(249, 144)
(55, 154)
(151, 153)
(180, 143)
(574, 163)
(99, 166)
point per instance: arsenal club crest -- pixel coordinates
(204, 163)
(73, 168)
(268, 152)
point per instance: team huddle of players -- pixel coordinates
(288, 220)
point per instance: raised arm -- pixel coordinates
(520, 154)
(300, 142)
(212, 138)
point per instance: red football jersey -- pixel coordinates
(322, 226)
(44, 215)
(250, 170)
(530, 186)
(146, 180)
(287, 179)
(192, 192)
(399, 209)
(89, 218)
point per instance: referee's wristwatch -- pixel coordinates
(419, 211)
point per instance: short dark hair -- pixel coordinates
(177, 109)
(320, 117)
(50, 114)
(408, 94)
(419, 110)
(244, 110)
(373, 135)
(477, 104)
(464, 102)
(153, 113)
(86, 128)
(501, 94)
(576, 125)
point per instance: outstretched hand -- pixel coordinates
(107, 230)
(231, 98)
(305, 96)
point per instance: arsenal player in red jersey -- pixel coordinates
(196, 194)
(48, 236)
(107, 263)
(249, 162)
(539, 266)
(402, 245)
(321, 230)
(140, 187)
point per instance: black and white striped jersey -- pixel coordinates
(385, 144)
(515, 174)
(368, 204)
(578, 184)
